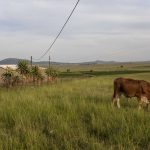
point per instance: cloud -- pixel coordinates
(97, 30)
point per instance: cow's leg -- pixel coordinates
(116, 95)
(114, 101)
(147, 106)
(128, 101)
(144, 100)
(118, 102)
(140, 105)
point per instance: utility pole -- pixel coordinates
(49, 61)
(31, 61)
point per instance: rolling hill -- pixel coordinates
(13, 61)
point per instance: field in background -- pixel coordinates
(83, 71)
(74, 115)
(104, 67)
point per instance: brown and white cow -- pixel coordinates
(131, 88)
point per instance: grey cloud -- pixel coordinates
(97, 29)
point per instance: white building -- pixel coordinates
(13, 67)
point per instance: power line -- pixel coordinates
(59, 32)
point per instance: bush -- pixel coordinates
(9, 78)
(68, 70)
(51, 73)
(23, 67)
(36, 74)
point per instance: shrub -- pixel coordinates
(51, 74)
(23, 67)
(7, 77)
(36, 74)
(16, 80)
(68, 70)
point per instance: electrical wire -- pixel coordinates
(50, 47)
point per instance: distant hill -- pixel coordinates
(99, 62)
(13, 61)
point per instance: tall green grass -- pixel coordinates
(71, 115)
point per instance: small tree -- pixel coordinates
(36, 74)
(51, 74)
(121, 66)
(23, 69)
(7, 77)
(68, 70)
(16, 80)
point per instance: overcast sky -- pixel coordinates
(98, 30)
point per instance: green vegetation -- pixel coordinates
(23, 68)
(9, 78)
(100, 73)
(103, 67)
(72, 115)
(36, 73)
(26, 75)
(51, 74)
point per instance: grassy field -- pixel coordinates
(72, 115)
(83, 71)
(104, 67)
